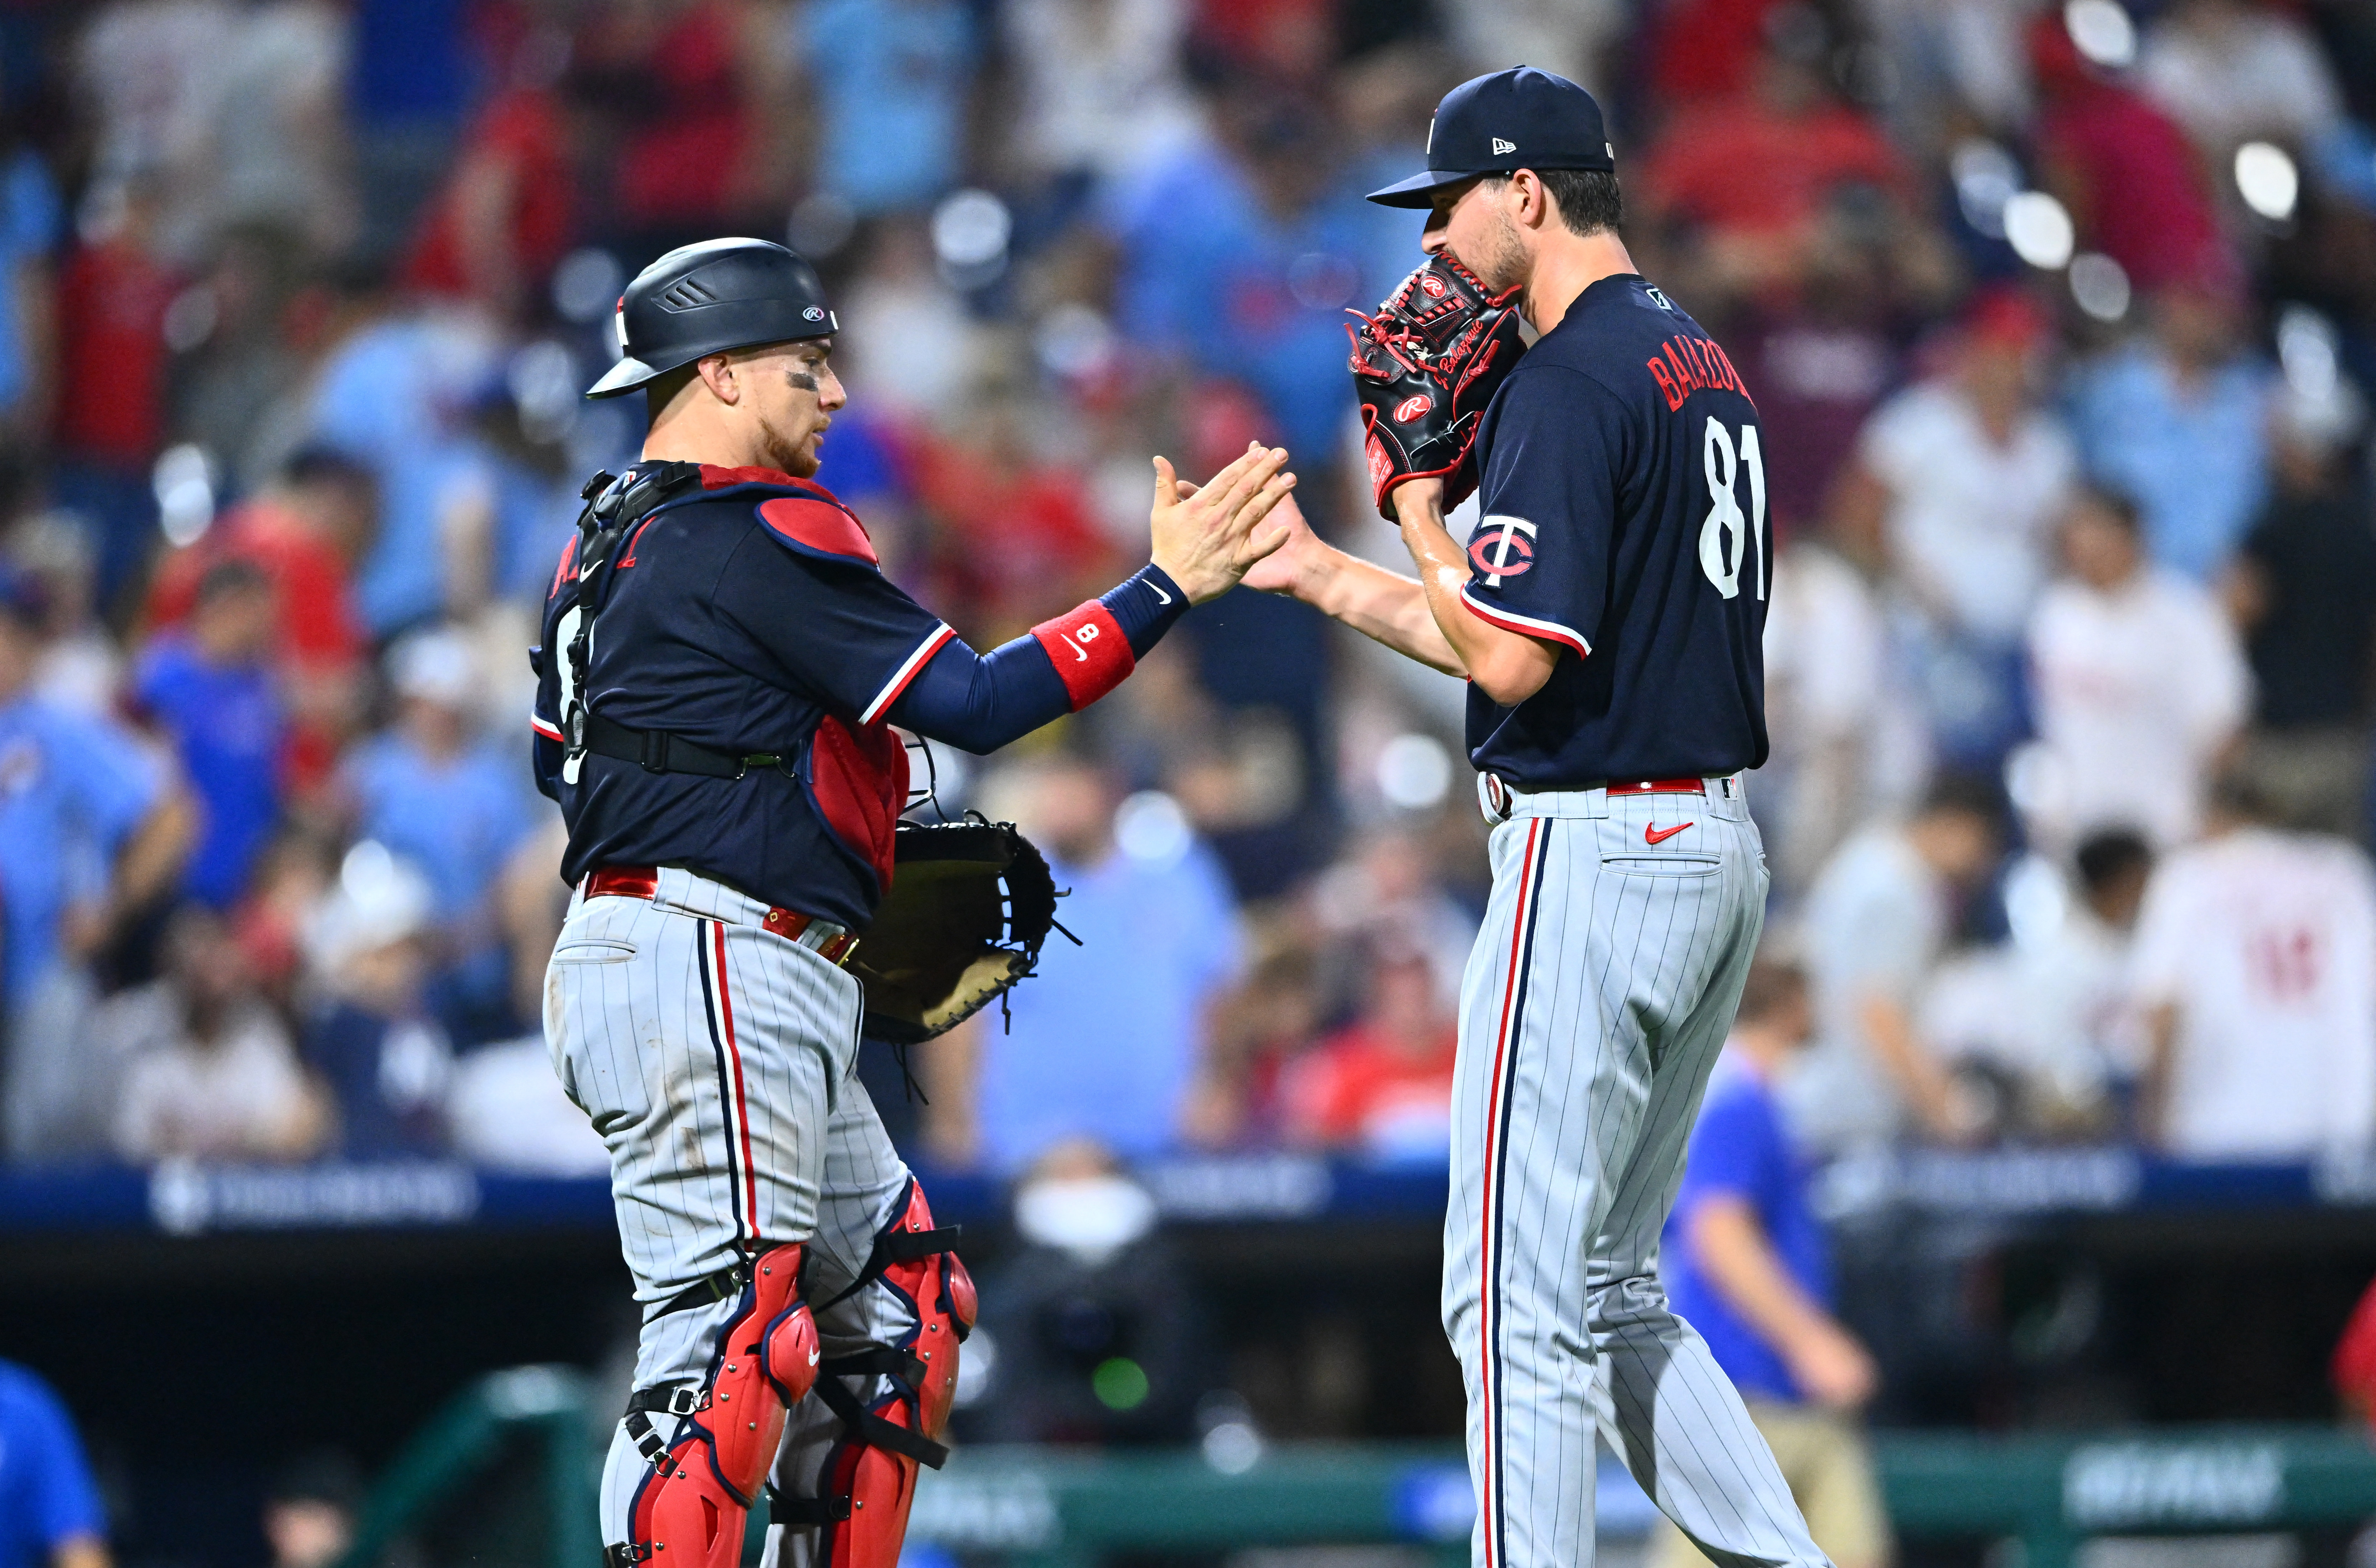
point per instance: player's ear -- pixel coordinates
(1534, 201)
(717, 373)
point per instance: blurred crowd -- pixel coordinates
(2060, 318)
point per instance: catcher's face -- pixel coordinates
(1471, 222)
(791, 395)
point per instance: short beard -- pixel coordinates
(1503, 263)
(783, 453)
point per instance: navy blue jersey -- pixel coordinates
(1624, 499)
(749, 616)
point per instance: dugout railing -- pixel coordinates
(1048, 1508)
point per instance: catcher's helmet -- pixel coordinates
(708, 298)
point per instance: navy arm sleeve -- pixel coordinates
(978, 704)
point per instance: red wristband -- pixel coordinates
(1089, 651)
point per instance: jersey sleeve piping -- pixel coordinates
(550, 732)
(1526, 625)
(907, 673)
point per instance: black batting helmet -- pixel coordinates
(708, 298)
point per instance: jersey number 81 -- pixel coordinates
(1727, 538)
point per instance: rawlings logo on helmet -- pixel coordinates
(1434, 286)
(1412, 406)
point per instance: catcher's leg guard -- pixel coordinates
(690, 1510)
(869, 1476)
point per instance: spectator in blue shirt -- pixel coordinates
(49, 1510)
(1746, 1265)
(30, 218)
(1107, 1037)
(892, 79)
(2178, 420)
(210, 689)
(393, 397)
(91, 834)
(455, 805)
(1241, 253)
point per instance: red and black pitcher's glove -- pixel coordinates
(1424, 367)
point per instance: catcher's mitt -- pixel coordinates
(969, 905)
(1424, 367)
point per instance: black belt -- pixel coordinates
(656, 751)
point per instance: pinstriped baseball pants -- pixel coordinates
(1593, 1006)
(718, 1060)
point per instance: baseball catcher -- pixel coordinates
(721, 666)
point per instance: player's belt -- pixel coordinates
(1655, 787)
(833, 944)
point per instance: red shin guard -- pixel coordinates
(691, 1509)
(875, 1465)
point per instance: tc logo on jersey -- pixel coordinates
(1412, 406)
(1503, 547)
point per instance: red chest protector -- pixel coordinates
(857, 779)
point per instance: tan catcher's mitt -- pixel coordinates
(969, 906)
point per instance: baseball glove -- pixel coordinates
(969, 905)
(1424, 367)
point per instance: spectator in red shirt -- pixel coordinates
(496, 230)
(1703, 49)
(705, 145)
(2353, 1367)
(1382, 1085)
(113, 296)
(2135, 188)
(303, 531)
(1759, 173)
(1017, 532)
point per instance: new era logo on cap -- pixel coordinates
(1556, 122)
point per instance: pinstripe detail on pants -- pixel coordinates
(1497, 1151)
(1593, 1006)
(741, 1174)
(718, 1060)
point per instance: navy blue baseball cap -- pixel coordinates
(1521, 118)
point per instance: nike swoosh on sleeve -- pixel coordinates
(1159, 593)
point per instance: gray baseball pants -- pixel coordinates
(1593, 1006)
(719, 1060)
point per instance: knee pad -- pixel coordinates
(869, 1478)
(690, 1511)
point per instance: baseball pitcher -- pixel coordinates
(1606, 613)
